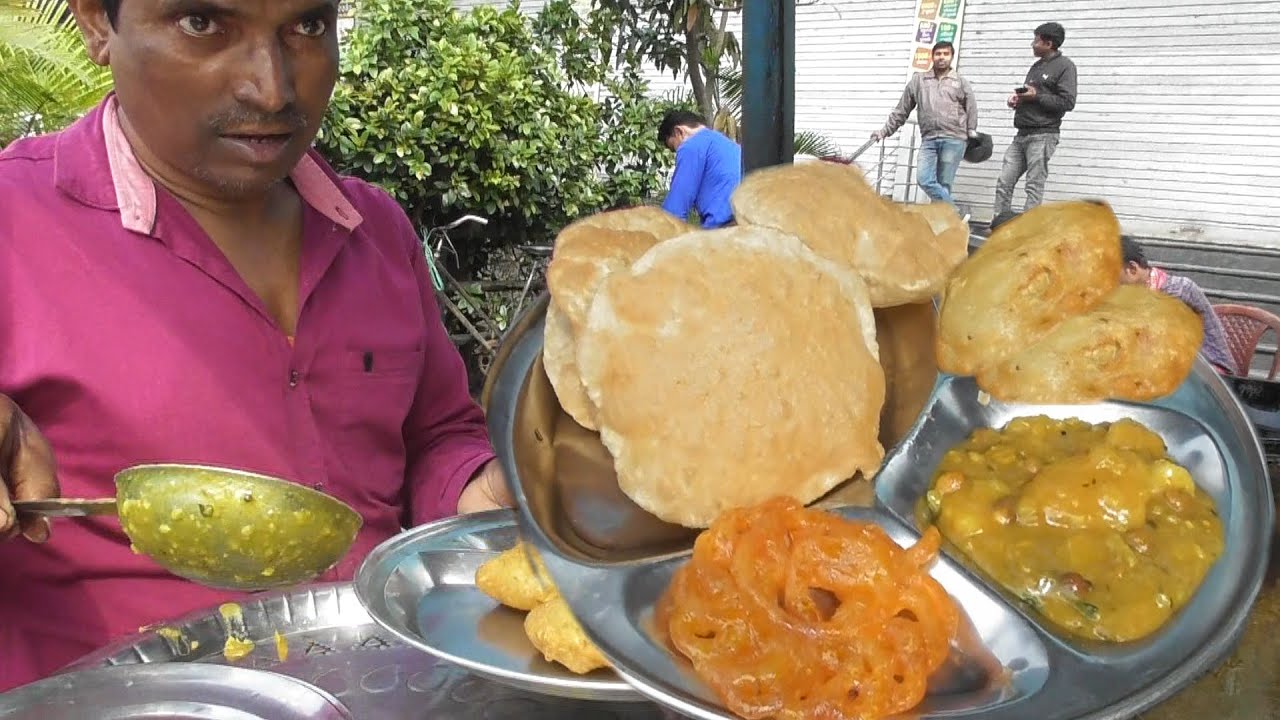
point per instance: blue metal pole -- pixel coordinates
(768, 76)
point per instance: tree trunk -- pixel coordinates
(693, 60)
(717, 52)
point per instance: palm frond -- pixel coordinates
(731, 90)
(808, 142)
(46, 78)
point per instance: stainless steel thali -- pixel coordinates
(334, 645)
(612, 561)
(420, 586)
(172, 692)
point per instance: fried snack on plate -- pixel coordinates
(833, 209)
(1054, 262)
(731, 366)
(793, 613)
(1138, 344)
(556, 634)
(585, 252)
(516, 578)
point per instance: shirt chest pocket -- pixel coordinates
(372, 392)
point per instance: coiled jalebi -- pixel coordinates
(793, 613)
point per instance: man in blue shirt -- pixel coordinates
(708, 169)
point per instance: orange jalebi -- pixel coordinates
(793, 613)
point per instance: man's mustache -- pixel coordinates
(290, 119)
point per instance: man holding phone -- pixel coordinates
(1039, 104)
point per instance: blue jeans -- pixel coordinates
(939, 160)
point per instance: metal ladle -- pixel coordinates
(223, 528)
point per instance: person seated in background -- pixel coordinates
(708, 169)
(1138, 271)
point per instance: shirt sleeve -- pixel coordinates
(1064, 99)
(1188, 292)
(446, 439)
(685, 181)
(970, 106)
(906, 104)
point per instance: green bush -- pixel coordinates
(492, 112)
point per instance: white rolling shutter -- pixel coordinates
(1175, 124)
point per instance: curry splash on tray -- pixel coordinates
(1093, 526)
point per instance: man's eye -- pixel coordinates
(314, 27)
(198, 25)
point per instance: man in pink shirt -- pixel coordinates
(183, 280)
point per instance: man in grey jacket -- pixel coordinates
(1048, 93)
(948, 117)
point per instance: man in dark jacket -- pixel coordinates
(1048, 93)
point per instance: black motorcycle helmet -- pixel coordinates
(978, 149)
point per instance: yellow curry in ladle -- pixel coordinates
(1093, 526)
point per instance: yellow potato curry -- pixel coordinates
(1093, 526)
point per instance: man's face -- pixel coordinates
(226, 95)
(1041, 47)
(942, 60)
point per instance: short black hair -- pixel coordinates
(944, 45)
(1133, 252)
(678, 118)
(113, 10)
(1052, 32)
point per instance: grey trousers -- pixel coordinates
(1027, 154)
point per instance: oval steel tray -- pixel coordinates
(420, 587)
(336, 646)
(1012, 665)
(172, 692)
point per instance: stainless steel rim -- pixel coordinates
(376, 571)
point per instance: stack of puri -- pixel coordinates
(1038, 315)
(723, 368)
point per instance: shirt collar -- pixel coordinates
(95, 164)
(1157, 278)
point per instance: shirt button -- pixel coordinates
(294, 376)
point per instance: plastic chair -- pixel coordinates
(1245, 325)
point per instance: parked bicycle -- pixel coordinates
(478, 311)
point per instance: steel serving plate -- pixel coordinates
(420, 586)
(334, 645)
(171, 692)
(612, 564)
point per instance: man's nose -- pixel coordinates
(267, 84)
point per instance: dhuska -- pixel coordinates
(1138, 345)
(1054, 262)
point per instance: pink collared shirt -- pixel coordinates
(128, 338)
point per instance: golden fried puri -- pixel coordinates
(556, 634)
(730, 366)
(655, 221)
(559, 359)
(904, 256)
(516, 578)
(1137, 344)
(1035, 271)
(585, 252)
